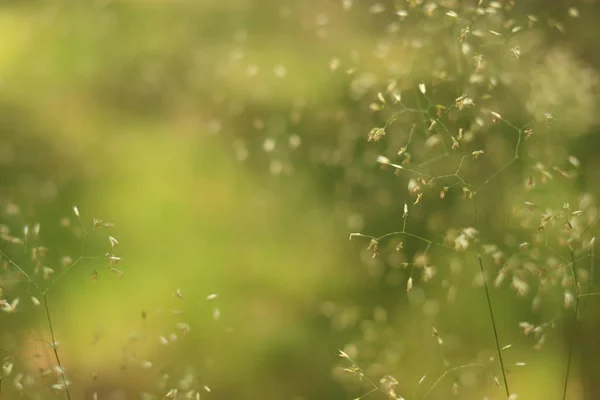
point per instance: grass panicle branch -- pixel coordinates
(35, 285)
(449, 371)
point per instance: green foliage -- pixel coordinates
(238, 145)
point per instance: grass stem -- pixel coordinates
(573, 326)
(498, 349)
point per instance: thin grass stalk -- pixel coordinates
(498, 349)
(573, 326)
(54, 348)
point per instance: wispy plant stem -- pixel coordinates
(573, 326)
(441, 377)
(54, 347)
(489, 303)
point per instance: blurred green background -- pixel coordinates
(227, 142)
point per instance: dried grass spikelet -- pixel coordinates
(520, 286)
(466, 237)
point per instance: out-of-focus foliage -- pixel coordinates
(235, 144)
